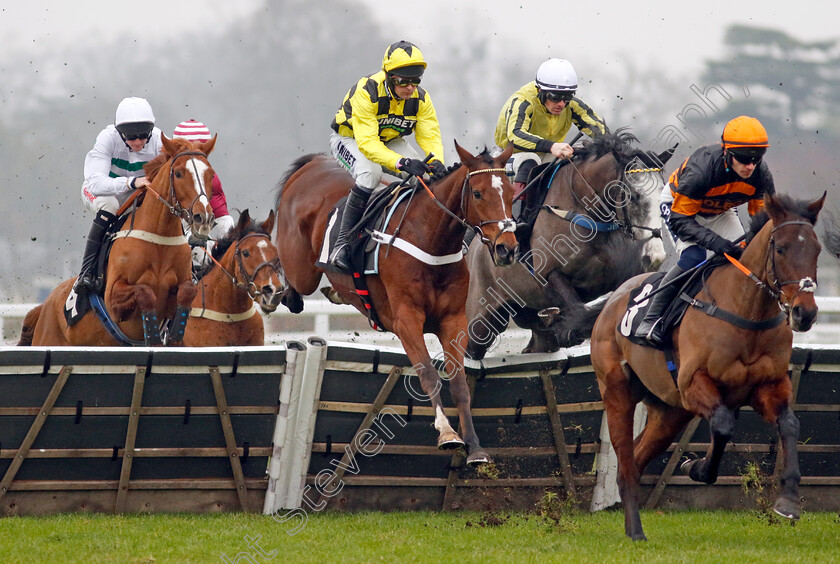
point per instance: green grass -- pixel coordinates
(686, 536)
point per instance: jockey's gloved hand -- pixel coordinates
(438, 168)
(414, 167)
(721, 245)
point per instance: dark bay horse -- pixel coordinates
(721, 367)
(410, 297)
(247, 274)
(148, 271)
(576, 259)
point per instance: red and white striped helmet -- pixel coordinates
(192, 130)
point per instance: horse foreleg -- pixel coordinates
(702, 397)
(408, 326)
(146, 301)
(183, 299)
(620, 406)
(453, 338)
(772, 401)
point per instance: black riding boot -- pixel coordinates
(354, 207)
(651, 327)
(88, 281)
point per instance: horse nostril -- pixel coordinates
(198, 219)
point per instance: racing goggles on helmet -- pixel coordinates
(748, 155)
(134, 131)
(559, 95)
(405, 80)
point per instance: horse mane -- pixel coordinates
(756, 223)
(831, 233)
(234, 235)
(619, 143)
(296, 166)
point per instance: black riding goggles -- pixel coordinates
(558, 96)
(747, 158)
(404, 81)
(136, 136)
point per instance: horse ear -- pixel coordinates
(651, 159)
(268, 224)
(207, 146)
(815, 207)
(503, 158)
(169, 146)
(467, 158)
(666, 155)
(244, 220)
(771, 204)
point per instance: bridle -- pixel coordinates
(806, 284)
(175, 207)
(247, 283)
(506, 224)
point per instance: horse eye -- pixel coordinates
(476, 194)
(780, 250)
(178, 174)
(246, 254)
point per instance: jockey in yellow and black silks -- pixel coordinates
(536, 119)
(369, 128)
(699, 203)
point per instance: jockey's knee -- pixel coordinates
(691, 257)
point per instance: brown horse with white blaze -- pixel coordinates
(411, 297)
(246, 274)
(148, 273)
(722, 364)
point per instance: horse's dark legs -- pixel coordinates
(664, 422)
(620, 406)
(560, 293)
(703, 398)
(769, 400)
(485, 329)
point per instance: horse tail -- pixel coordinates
(29, 323)
(831, 233)
(296, 166)
(577, 321)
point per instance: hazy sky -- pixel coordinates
(676, 35)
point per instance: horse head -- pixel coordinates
(487, 200)
(257, 264)
(190, 182)
(792, 249)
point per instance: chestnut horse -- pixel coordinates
(246, 273)
(410, 297)
(148, 272)
(604, 239)
(721, 367)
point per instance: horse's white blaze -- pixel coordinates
(197, 169)
(262, 246)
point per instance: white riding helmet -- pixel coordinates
(557, 75)
(134, 110)
(134, 119)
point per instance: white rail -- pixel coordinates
(328, 317)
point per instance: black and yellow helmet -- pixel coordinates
(403, 59)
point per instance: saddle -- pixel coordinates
(364, 257)
(76, 306)
(638, 304)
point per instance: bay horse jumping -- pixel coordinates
(410, 297)
(246, 273)
(605, 238)
(148, 272)
(721, 366)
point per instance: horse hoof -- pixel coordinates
(450, 441)
(638, 537)
(787, 508)
(685, 465)
(478, 457)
